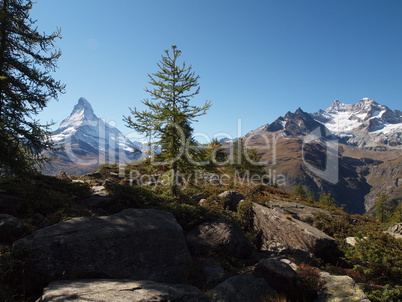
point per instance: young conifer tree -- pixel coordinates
(27, 59)
(167, 121)
(246, 162)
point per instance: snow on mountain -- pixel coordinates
(364, 124)
(294, 124)
(84, 135)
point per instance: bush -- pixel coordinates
(125, 196)
(244, 215)
(45, 194)
(378, 258)
(188, 216)
(309, 282)
(19, 281)
(343, 225)
(386, 294)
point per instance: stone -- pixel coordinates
(140, 244)
(10, 228)
(293, 265)
(280, 275)
(106, 290)
(99, 191)
(64, 176)
(340, 288)
(198, 197)
(231, 199)
(208, 203)
(243, 288)
(219, 236)
(278, 231)
(95, 174)
(351, 241)
(296, 210)
(395, 230)
(206, 273)
(78, 181)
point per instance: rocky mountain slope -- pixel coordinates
(351, 151)
(88, 141)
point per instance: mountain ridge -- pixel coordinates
(366, 124)
(366, 158)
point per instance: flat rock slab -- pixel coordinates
(120, 291)
(297, 210)
(340, 289)
(139, 244)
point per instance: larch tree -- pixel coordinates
(167, 121)
(245, 161)
(383, 207)
(27, 59)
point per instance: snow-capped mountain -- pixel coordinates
(89, 141)
(364, 124)
(299, 123)
(359, 144)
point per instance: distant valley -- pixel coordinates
(369, 151)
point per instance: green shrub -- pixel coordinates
(386, 294)
(188, 216)
(19, 281)
(45, 194)
(245, 215)
(309, 282)
(125, 196)
(300, 191)
(378, 258)
(343, 225)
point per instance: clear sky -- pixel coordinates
(256, 59)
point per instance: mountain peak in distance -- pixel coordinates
(89, 141)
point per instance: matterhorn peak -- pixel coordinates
(82, 114)
(83, 103)
(84, 107)
(89, 141)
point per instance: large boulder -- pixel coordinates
(120, 290)
(280, 275)
(296, 210)
(395, 230)
(139, 244)
(243, 288)
(340, 288)
(10, 228)
(280, 232)
(231, 199)
(217, 237)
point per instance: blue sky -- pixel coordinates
(256, 59)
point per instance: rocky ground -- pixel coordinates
(145, 254)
